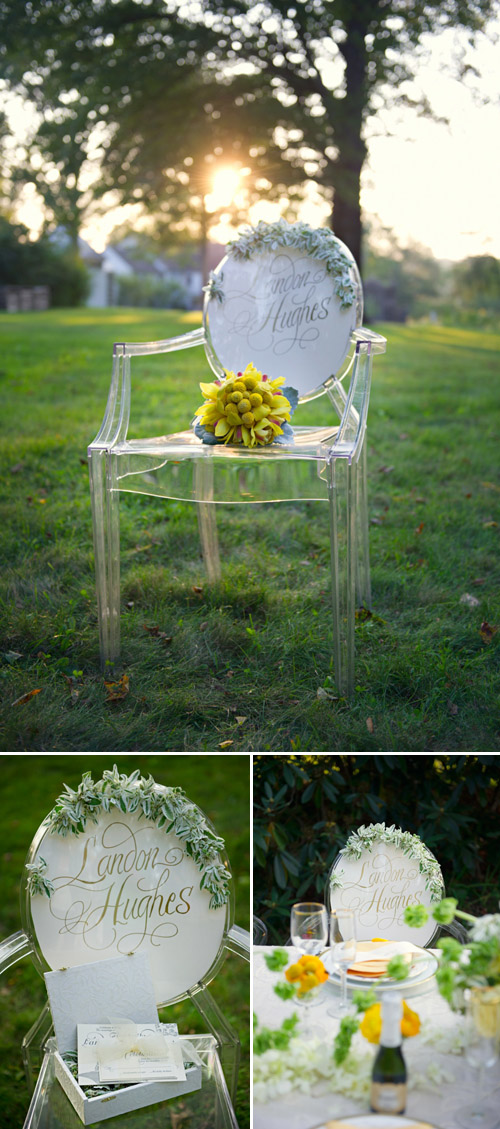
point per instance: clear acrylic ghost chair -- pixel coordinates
(271, 301)
(39, 939)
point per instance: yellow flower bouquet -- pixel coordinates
(309, 972)
(246, 408)
(371, 1024)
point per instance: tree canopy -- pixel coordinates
(284, 90)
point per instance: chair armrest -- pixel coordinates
(350, 435)
(14, 949)
(114, 426)
(378, 343)
(238, 941)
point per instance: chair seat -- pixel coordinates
(309, 443)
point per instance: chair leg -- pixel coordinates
(33, 1045)
(342, 488)
(227, 1039)
(105, 520)
(207, 520)
(363, 581)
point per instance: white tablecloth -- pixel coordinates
(303, 1111)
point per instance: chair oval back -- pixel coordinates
(287, 298)
(380, 871)
(128, 882)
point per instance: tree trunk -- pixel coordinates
(346, 215)
(346, 219)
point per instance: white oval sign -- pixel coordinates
(124, 886)
(378, 887)
(280, 311)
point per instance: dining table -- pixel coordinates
(440, 1081)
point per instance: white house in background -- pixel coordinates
(105, 269)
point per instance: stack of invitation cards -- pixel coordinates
(129, 1052)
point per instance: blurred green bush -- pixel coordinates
(305, 806)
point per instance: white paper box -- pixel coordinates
(104, 992)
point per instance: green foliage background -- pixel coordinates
(306, 806)
(29, 787)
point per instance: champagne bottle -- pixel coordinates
(388, 1089)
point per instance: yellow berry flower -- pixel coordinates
(307, 973)
(371, 1024)
(246, 407)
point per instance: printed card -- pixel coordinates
(129, 1052)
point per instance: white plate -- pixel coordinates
(422, 970)
(375, 1121)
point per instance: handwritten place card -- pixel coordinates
(130, 1052)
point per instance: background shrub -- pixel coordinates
(41, 263)
(154, 293)
(306, 806)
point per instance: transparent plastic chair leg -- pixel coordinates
(105, 519)
(227, 1040)
(36, 1116)
(113, 547)
(33, 1045)
(207, 519)
(363, 581)
(342, 487)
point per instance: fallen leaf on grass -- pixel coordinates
(490, 525)
(376, 521)
(116, 691)
(479, 580)
(160, 635)
(17, 468)
(362, 614)
(225, 744)
(241, 720)
(324, 695)
(452, 708)
(197, 590)
(491, 486)
(487, 631)
(12, 656)
(369, 725)
(420, 527)
(471, 601)
(385, 469)
(26, 697)
(74, 693)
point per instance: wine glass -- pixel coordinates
(309, 933)
(309, 927)
(343, 947)
(481, 1053)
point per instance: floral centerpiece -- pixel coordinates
(473, 966)
(285, 1061)
(246, 408)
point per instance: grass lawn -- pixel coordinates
(29, 787)
(254, 647)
